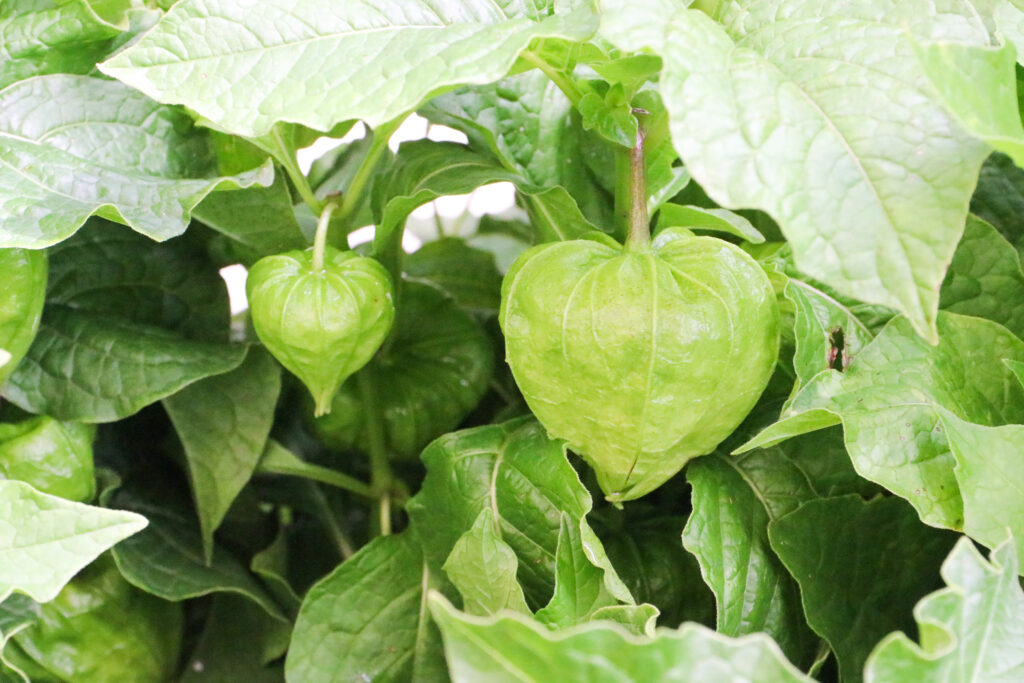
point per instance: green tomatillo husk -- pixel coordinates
(642, 357)
(321, 324)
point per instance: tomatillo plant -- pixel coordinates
(731, 387)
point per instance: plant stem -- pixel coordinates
(380, 470)
(637, 220)
(381, 135)
(320, 240)
(564, 82)
(291, 167)
(324, 475)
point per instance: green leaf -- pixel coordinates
(97, 615)
(16, 613)
(580, 590)
(513, 469)
(59, 36)
(74, 146)
(46, 539)
(999, 198)
(426, 170)
(986, 279)
(51, 456)
(436, 367)
(392, 59)
(107, 268)
(810, 126)
(368, 619)
(849, 543)
(271, 565)
(651, 561)
(223, 422)
(279, 460)
(990, 477)
(969, 631)
(96, 368)
(978, 84)
(483, 567)
(467, 274)
(21, 304)
(717, 220)
(890, 401)
(260, 219)
(828, 334)
(514, 648)
(236, 643)
(728, 533)
(168, 561)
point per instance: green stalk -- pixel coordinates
(320, 240)
(324, 475)
(638, 226)
(380, 471)
(564, 82)
(350, 199)
(341, 540)
(291, 167)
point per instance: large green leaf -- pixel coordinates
(467, 274)
(52, 456)
(847, 542)
(515, 649)
(57, 36)
(107, 268)
(91, 367)
(521, 475)
(970, 631)
(890, 402)
(74, 146)
(368, 619)
(728, 533)
(999, 198)
(168, 561)
(799, 108)
(45, 540)
(373, 59)
(986, 279)
(223, 422)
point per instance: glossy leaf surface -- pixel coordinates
(21, 304)
(53, 457)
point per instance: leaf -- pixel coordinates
(392, 60)
(847, 542)
(467, 274)
(580, 590)
(97, 615)
(61, 36)
(986, 279)
(74, 146)
(999, 198)
(514, 648)
(234, 645)
(519, 473)
(828, 334)
(368, 619)
(890, 402)
(651, 561)
(969, 631)
(716, 220)
(271, 565)
(279, 460)
(21, 304)
(168, 559)
(259, 218)
(45, 540)
(51, 456)
(426, 170)
(16, 613)
(990, 477)
(107, 268)
(978, 84)
(728, 533)
(483, 567)
(810, 126)
(90, 367)
(223, 422)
